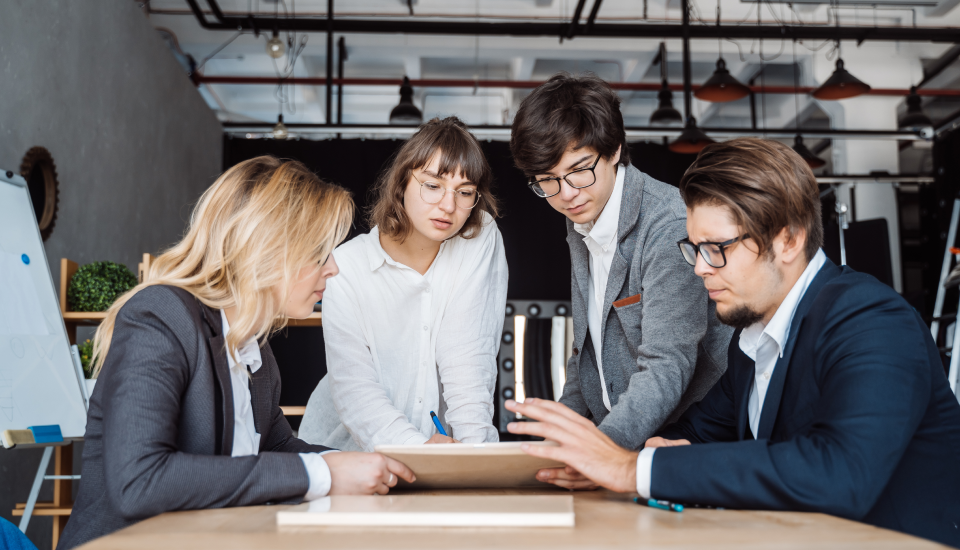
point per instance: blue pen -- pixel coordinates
(436, 422)
(660, 504)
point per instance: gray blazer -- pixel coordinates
(160, 425)
(663, 347)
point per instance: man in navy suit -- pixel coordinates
(834, 399)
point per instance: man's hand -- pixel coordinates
(568, 478)
(655, 442)
(582, 446)
(437, 438)
(364, 473)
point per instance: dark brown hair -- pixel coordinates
(766, 186)
(460, 153)
(567, 111)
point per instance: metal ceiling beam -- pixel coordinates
(525, 84)
(600, 30)
(593, 15)
(575, 22)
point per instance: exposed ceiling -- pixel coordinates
(623, 60)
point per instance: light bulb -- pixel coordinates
(275, 47)
(280, 130)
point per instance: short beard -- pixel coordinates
(741, 317)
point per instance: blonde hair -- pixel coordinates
(250, 234)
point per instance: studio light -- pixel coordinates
(914, 118)
(722, 86)
(692, 140)
(280, 130)
(275, 46)
(813, 161)
(841, 85)
(665, 115)
(406, 112)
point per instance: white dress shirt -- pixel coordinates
(246, 440)
(395, 339)
(762, 343)
(600, 236)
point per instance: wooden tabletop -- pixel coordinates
(604, 520)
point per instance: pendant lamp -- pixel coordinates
(841, 85)
(914, 118)
(280, 130)
(666, 114)
(406, 112)
(722, 86)
(275, 46)
(807, 155)
(692, 140)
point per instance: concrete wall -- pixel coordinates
(133, 142)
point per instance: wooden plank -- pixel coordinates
(314, 320)
(80, 316)
(603, 520)
(292, 410)
(48, 511)
(67, 270)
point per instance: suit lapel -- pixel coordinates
(745, 367)
(630, 212)
(771, 402)
(579, 260)
(221, 370)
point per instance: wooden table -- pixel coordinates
(604, 520)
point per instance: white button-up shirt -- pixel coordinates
(246, 440)
(600, 236)
(762, 343)
(396, 339)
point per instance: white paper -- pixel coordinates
(20, 312)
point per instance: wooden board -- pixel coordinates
(605, 520)
(434, 511)
(461, 465)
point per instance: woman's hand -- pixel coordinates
(364, 473)
(437, 438)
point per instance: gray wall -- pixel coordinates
(133, 142)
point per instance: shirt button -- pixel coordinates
(424, 327)
(419, 400)
(766, 376)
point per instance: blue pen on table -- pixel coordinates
(660, 504)
(436, 422)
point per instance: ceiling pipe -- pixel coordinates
(329, 83)
(593, 15)
(575, 22)
(525, 84)
(633, 132)
(607, 30)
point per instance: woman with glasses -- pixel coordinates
(412, 326)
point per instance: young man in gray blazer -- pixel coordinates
(647, 343)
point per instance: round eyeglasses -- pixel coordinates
(432, 193)
(713, 253)
(578, 179)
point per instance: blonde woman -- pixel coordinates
(185, 414)
(413, 325)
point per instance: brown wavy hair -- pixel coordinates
(766, 186)
(460, 153)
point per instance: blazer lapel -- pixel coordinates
(580, 261)
(630, 213)
(745, 367)
(771, 402)
(221, 370)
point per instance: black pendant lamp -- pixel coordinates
(692, 140)
(841, 85)
(666, 114)
(406, 112)
(914, 118)
(813, 161)
(722, 86)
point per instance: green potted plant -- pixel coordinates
(95, 286)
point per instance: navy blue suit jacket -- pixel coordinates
(858, 420)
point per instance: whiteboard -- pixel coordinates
(38, 381)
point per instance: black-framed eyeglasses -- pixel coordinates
(578, 179)
(713, 253)
(432, 193)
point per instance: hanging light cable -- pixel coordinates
(721, 86)
(692, 139)
(812, 160)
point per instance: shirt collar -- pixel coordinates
(603, 230)
(248, 353)
(779, 326)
